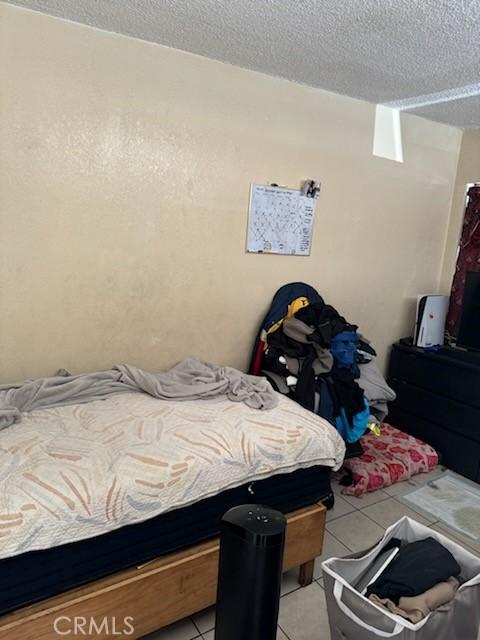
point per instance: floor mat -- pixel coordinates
(451, 499)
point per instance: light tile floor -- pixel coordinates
(354, 524)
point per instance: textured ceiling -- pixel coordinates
(377, 50)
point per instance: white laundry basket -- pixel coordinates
(353, 617)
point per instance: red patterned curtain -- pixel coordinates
(468, 257)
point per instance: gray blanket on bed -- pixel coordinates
(189, 380)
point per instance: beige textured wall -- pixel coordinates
(468, 171)
(124, 179)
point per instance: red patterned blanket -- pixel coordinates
(391, 457)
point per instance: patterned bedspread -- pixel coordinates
(71, 473)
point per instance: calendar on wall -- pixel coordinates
(280, 221)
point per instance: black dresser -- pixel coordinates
(438, 401)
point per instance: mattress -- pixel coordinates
(76, 472)
(36, 575)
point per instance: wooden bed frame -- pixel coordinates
(156, 594)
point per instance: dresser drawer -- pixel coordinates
(440, 409)
(442, 376)
(458, 453)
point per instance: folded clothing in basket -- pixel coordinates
(353, 617)
(419, 566)
(418, 607)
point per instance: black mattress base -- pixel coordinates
(37, 575)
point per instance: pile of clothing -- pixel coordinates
(423, 577)
(310, 352)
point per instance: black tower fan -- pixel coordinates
(250, 572)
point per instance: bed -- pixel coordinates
(102, 497)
